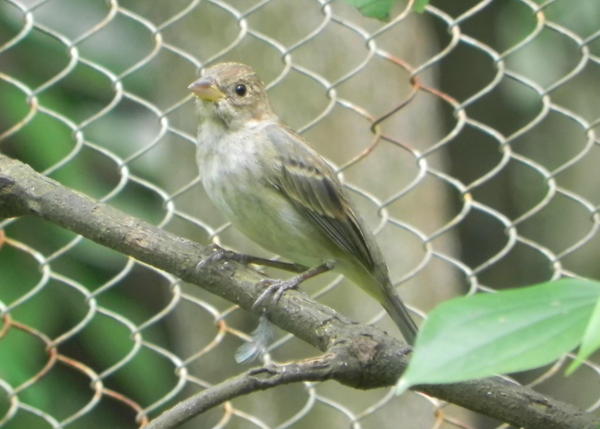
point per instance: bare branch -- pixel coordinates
(365, 357)
(317, 369)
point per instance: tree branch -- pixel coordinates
(317, 369)
(362, 356)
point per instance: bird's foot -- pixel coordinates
(277, 287)
(218, 254)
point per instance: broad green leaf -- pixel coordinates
(379, 9)
(591, 340)
(486, 334)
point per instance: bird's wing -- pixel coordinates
(312, 187)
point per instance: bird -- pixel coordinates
(278, 191)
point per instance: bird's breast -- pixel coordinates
(231, 171)
(236, 182)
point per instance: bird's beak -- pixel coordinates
(206, 89)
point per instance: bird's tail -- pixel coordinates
(399, 314)
(377, 284)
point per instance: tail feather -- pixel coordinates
(377, 284)
(400, 315)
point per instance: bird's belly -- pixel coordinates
(270, 220)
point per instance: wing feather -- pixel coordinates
(312, 187)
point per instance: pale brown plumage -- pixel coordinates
(278, 190)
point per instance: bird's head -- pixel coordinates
(233, 93)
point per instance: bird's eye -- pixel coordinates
(240, 89)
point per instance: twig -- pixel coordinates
(318, 369)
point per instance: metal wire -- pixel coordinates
(432, 162)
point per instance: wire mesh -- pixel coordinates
(467, 135)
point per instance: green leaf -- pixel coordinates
(590, 342)
(486, 334)
(379, 9)
(420, 5)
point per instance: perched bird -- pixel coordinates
(279, 192)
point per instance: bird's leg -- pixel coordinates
(277, 287)
(286, 266)
(220, 254)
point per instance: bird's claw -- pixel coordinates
(274, 288)
(217, 254)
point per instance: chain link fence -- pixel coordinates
(467, 135)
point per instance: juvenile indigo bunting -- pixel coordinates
(279, 192)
